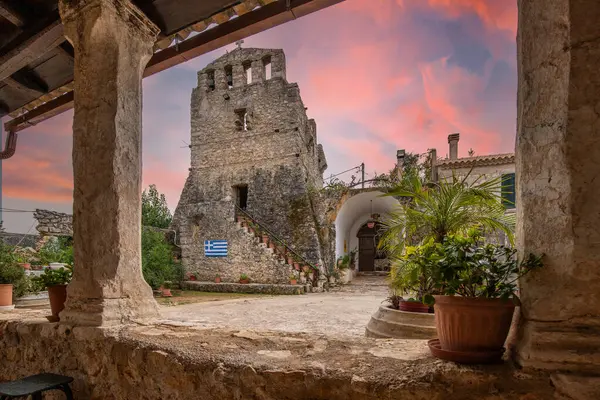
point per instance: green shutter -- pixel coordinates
(508, 190)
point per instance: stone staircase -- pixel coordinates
(279, 252)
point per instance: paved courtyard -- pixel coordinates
(343, 311)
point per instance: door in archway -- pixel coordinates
(367, 248)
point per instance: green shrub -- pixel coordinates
(56, 250)
(10, 272)
(53, 277)
(157, 259)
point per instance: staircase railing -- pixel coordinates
(287, 246)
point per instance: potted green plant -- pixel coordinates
(265, 238)
(166, 289)
(413, 272)
(11, 275)
(477, 284)
(218, 278)
(56, 281)
(244, 279)
(293, 279)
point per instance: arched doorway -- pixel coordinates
(368, 248)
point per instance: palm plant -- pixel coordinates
(435, 210)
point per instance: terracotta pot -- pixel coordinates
(414, 306)
(297, 266)
(469, 324)
(25, 265)
(6, 295)
(217, 280)
(240, 218)
(167, 293)
(265, 239)
(293, 281)
(57, 295)
(290, 260)
(192, 277)
(244, 281)
(272, 245)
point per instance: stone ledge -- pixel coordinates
(183, 362)
(251, 288)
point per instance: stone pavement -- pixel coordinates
(344, 311)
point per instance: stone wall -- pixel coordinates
(245, 255)
(53, 223)
(156, 362)
(257, 136)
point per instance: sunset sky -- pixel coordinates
(376, 75)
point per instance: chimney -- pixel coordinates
(453, 141)
(400, 162)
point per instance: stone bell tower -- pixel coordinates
(252, 148)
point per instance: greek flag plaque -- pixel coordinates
(215, 248)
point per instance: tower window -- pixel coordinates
(211, 80)
(242, 122)
(229, 76)
(248, 72)
(241, 196)
(267, 67)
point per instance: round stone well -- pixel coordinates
(395, 324)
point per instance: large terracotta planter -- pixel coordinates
(466, 324)
(57, 295)
(414, 306)
(390, 323)
(6, 295)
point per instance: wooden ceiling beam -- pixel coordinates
(3, 109)
(10, 14)
(42, 113)
(66, 49)
(27, 82)
(31, 49)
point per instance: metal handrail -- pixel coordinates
(288, 247)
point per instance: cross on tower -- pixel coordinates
(239, 43)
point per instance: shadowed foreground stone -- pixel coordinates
(187, 362)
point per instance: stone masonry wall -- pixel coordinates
(255, 135)
(245, 256)
(154, 362)
(53, 223)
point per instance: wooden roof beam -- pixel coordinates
(27, 82)
(10, 14)
(31, 49)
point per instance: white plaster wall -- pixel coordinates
(354, 213)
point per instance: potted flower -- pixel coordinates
(290, 259)
(296, 264)
(272, 245)
(475, 307)
(166, 289)
(244, 279)
(302, 277)
(11, 274)
(265, 238)
(192, 277)
(218, 278)
(413, 273)
(293, 279)
(56, 281)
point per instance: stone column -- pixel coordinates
(558, 188)
(113, 42)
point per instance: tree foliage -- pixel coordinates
(157, 259)
(155, 211)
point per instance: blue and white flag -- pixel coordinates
(215, 248)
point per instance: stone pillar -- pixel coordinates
(258, 71)
(239, 76)
(278, 66)
(558, 189)
(113, 41)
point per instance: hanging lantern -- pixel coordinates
(371, 222)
